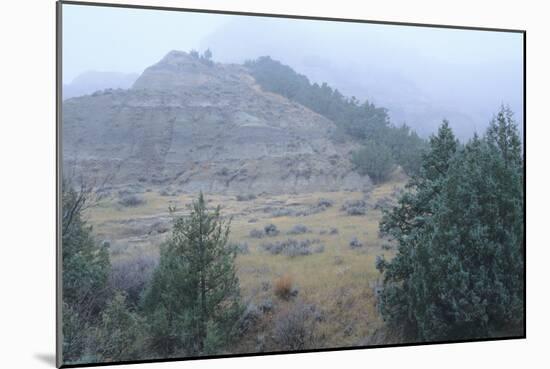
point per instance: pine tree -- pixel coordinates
(119, 335)
(85, 268)
(374, 160)
(193, 301)
(414, 206)
(503, 135)
(459, 267)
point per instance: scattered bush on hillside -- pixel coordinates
(298, 229)
(295, 248)
(266, 285)
(384, 203)
(301, 211)
(131, 200)
(326, 203)
(249, 318)
(240, 247)
(266, 305)
(295, 327)
(131, 276)
(271, 230)
(257, 233)
(281, 212)
(120, 335)
(291, 247)
(355, 207)
(247, 197)
(319, 249)
(159, 228)
(355, 243)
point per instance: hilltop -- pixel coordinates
(191, 124)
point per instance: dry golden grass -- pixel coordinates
(283, 287)
(339, 280)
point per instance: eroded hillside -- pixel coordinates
(190, 125)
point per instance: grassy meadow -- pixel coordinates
(339, 282)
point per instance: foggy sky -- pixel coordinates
(420, 74)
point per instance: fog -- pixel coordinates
(420, 74)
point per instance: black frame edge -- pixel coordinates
(524, 184)
(58, 182)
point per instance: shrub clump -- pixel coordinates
(301, 211)
(266, 305)
(274, 248)
(325, 203)
(295, 327)
(250, 317)
(282, 212)
(159, 228)
(298, 229)
(240, 247)
(292, 247)
(355, 207)
(131, 276)
(256, 233)
(247, 197)
(131, 200)
(266, 285)
(319, 249)
(383, 203)
(295, 248)
(271, 230)
(120, 334)
(355, 243)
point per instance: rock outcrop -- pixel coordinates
(195, 125)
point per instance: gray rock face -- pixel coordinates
(194, 126)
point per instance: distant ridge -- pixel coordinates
(92, 81)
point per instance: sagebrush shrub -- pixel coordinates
(355, 243)
(298, 229)
(131, 276)
(271, 230)
(131, 200)
(256, 233)
(294, 327)
(326, 203)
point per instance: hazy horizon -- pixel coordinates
(421, 74)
